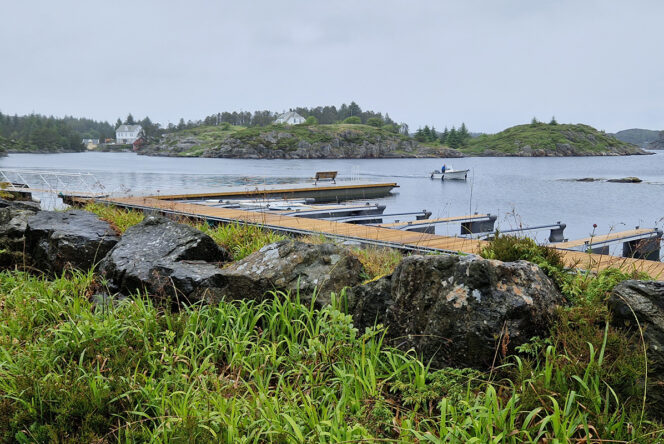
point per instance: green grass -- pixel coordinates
(275, 371)
(240, 240)
(543, 136)
(72, 370)
(120, 219)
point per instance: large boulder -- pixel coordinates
(167, 259)
(13, 224)
(458, 311)
(293, 266)
(58, 240)
(644, 301)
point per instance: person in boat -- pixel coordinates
(442, 169)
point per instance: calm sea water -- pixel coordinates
(521, 191)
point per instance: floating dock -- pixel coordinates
(366, 234)
(328, 192)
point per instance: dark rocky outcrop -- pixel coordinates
(293, 266)
(166, 259)
(626, 180)
(644, 300)
(458, 311)
(13, 224)
(321, 142)
(60, 240)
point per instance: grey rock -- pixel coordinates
(170, 261)
(458, 311)
(626, 180)
(644, 300)
(20, 204)
(68, 239)
(292, 266)
(13, 224)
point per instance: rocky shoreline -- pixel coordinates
(283, 145)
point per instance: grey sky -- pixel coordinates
(490, 64)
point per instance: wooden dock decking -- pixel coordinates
(602, 238)
(321, 192)
(381, 236)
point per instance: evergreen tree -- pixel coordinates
(427, 133)
(118, 123)
(419, 135)
(443, 136)
(553, 121)
(534, 121)
(453, 140)
(433, 136)
(130, 120)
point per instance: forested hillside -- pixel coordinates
(49, 134)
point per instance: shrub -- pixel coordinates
(353, 120)
(512, 248)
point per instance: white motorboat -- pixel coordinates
(450, 174)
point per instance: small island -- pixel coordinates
(328, 132)
(310, 140)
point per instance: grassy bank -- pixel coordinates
(76, 369)
(278, 371)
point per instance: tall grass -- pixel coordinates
(119, 218)
(239, 239)
(276, 371)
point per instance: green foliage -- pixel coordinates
(540, 136)
(311, 120)
(49, 134)
(275, 371)
(119, 218)
(240, 240)
(353, 120)
(378, 262)
(513, 248)
(375, 121)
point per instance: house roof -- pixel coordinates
(129, 128)
(287, 116)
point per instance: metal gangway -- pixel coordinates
(50, 186)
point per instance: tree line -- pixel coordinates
(48, 133)
(324, 115)
(454, 138)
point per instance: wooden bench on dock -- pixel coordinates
(326, 175)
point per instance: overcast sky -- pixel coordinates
(491, 64)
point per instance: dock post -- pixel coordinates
(648, 249)
(557, 233)
(479, 226)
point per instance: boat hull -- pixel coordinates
(450, 175)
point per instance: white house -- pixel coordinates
(127, 133)
(290, 118)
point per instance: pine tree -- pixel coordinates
(553, 121)
(453, 140)
(129, 120)
(434, 135)
(118, 123)
(443, 136)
